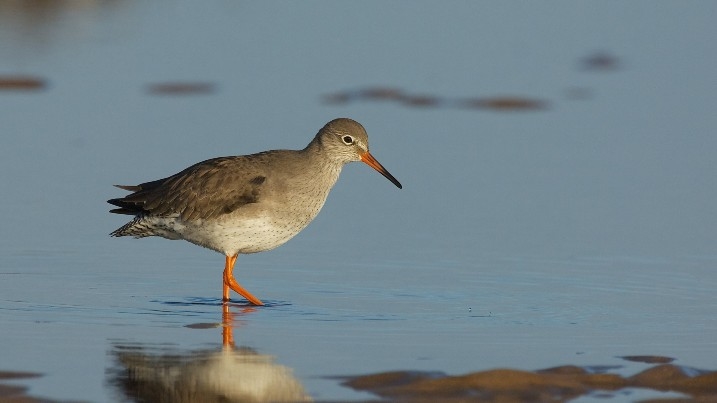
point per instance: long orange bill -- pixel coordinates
(369, 160)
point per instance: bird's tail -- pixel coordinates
(137, 228)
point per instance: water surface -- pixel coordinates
(558, 202)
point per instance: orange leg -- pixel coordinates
(227, 323)
(230, 282)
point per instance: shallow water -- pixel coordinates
(525, 238)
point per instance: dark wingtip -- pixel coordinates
(116, 202)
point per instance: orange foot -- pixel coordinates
(230, 282)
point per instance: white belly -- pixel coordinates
(249, 235)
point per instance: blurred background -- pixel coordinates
(558, 163)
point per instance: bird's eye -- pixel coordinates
(348, 140)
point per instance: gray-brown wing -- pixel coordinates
(204, 190)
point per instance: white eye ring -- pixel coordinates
(348, 140)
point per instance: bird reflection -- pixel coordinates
(152, 373)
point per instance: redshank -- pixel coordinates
(248, 203)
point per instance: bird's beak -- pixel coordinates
(369, 160)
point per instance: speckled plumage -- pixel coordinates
(246, 204)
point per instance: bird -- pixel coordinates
(248, 203)
(231, 374)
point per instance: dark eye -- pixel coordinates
(347, 140)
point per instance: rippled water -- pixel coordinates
(574, 233)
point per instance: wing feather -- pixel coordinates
(204, 190)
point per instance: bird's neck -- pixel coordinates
(324, 166)
(316, 150)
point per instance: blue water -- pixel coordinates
(573, 234)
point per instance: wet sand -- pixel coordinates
(11, 392)
(548, 385)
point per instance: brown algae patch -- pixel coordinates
(21, 83)
(505, 103)
(15, 393)
(547, 385)
(181, 88)
(494, 103)
(648, 359)
(600, 61)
